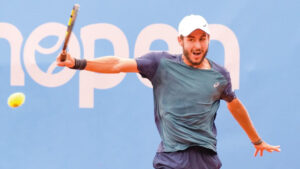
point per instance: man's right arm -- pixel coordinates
(107, 64)
(112, 64)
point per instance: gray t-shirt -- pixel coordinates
(186, 100)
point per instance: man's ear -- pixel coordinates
(180, 40)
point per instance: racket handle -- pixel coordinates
(63, 56)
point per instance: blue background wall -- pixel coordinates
(50, 131)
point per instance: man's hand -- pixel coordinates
(69, 62)
(264, 146)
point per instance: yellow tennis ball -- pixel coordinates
(16, 99)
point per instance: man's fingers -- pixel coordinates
(274, 148)
(269, 148)
(60, 64)
(68, 62)
(65, 63)
(277, 148)
(255, 154)
(261, 152)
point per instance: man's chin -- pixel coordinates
(196, 63)
(197, 60)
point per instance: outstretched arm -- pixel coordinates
(241, 115)
(107, 64)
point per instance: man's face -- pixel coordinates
(195, 46)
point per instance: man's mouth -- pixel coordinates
(197, 53)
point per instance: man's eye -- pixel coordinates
(203, 38)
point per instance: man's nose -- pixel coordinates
(197, 45)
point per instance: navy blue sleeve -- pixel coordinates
(228, 94)
(147, 64)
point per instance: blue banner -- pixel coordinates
(83, 120)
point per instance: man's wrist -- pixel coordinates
(80, 64)
(258, 142)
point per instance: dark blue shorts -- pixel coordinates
(191, 158)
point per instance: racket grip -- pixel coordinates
(63, 56)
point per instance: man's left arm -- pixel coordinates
(241, 115)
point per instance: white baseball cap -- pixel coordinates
(192, 22)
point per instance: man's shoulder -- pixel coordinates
(163, 54)
(218, 67)
(148, 63)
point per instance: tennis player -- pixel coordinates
(187, 91)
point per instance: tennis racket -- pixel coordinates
(69, 30)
